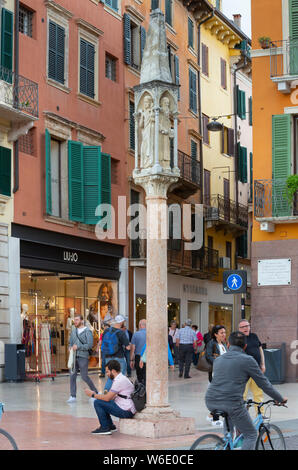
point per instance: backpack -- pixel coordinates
(138, 396)
(110, 342)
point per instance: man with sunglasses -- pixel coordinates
(254, 349)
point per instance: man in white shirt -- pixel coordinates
(110, 403)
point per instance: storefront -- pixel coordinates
(173, 310)
(61, 276)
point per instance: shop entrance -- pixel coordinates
(49, 302)
(173, 310)
(194, 313)
(221, 315)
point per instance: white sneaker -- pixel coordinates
(71, 399)
(209, 419)
(218, 424)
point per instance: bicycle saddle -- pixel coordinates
(217, 413)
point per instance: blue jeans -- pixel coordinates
(104, 410)
(122, 363)
(103, 363)
(127, 358)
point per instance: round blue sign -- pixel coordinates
(234, 282)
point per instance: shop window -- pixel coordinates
(26, 21)
(221, 315)
(173, 310)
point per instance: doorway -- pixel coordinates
(194, 313)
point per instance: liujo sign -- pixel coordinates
(70, 256)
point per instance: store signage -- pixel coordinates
(274, 272)
(192, 289)
(234, 282)
(70, 257)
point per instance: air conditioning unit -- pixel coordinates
(225, 262)
(212, 213)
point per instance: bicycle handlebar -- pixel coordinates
(260, 404)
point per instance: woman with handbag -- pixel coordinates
(215, 347)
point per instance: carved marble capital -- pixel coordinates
(156, 185)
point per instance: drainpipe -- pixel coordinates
(16, 71)
(200, 105)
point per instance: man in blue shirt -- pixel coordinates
(138, 342)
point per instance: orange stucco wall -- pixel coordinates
(107, 117)
(267, 101)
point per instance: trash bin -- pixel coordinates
(14, 370)
(275, 361)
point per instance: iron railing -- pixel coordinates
(284, 58)
(270, 199)
(190, 168)
(225, 210)
(18, 92)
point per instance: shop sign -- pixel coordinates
(193, 289)
(70, 257)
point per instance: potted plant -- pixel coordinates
(291, 188)
(265, 42)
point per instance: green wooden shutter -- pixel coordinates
(56, 53)
(190, 33)
(48, 172)
(250, 110)
(143, 40)
(92, 179)
(76, 181)
(127, 39)
(6, 43)
(243, 105)
(154, 4)
(177, 73)
(87, 75)
(168, 12)
(5, 171)
(106, 197)
(244, 164)
(293, 42)
(192, 91)
(131, 125)
(281, 163)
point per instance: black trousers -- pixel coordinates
(185, 358)
(141, 373)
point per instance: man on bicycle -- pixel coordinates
(231, 372)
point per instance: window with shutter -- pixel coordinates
(56, 52)
(190, 33)
(76, 181)
(207, 192)
(281, 162)
(92, 180)
(250, 110)
(231, 142)
(194, 159)
(192, 91)
(242, 164)
(48, 172)
(223, 69)
(293, 27)
(106, 188)
(177, 74)
(205, 60)
(6, 44)
(127, 39)
(205, 120)
(154, 4)
(131, 125)
(168, 12)
(143, 40)
(87, 75)
(5, 171)
(112, 4)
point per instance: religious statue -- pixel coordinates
(166, 133)
(147, 123)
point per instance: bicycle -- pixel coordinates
(7, 442)
(270, 437)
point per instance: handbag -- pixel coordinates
(203, 365)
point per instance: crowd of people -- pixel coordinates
(236, 365)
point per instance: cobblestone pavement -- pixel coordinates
(292, 443)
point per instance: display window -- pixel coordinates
(221, 315)
(49, 302)
(173, 310)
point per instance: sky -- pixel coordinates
(230, 7)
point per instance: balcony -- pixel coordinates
(190, 176)
(18, 97)
(284, 64)
(226, 214)
(201, 264)
(271, 205)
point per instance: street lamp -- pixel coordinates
(214, 125)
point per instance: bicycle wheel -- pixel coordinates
(271, 438)
(7, 442)
(208, 442)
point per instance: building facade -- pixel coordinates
(274, 239)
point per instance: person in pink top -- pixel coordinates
(111, 403)
(200, 340)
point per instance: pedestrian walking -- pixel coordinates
(112, 403)
(126, 351)
(254, 349)
(225, 393)
(187, 343)
(81, 341)
(200, 341)
(173, 332)
(103, 357)
(113, 341)
(138, 341)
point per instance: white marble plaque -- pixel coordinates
(274, 272)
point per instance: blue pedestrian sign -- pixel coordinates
(234, 282)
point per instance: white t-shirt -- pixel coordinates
(80, 330)
(222, 349)
(123, 385)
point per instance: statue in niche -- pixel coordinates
(165, 133)
(147, 124)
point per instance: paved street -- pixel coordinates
(38, 417)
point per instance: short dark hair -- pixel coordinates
(113, 365)
(195, 327)
(237, 339)
(216, 329)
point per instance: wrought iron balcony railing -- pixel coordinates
(18, 92)
(284, 58)
(227, 211)
(270, 199)
(189, 168)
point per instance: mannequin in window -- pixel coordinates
(24, 312)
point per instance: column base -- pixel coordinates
(156, 423)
